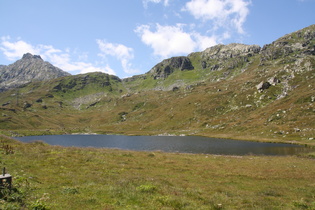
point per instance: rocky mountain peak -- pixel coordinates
(30, 56)
(29, 68)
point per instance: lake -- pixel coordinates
(181, 144)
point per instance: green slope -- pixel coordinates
(212, 93)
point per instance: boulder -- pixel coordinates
(273, 81)
(263, 85)
(27, 105)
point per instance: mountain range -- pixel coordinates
(232, 91)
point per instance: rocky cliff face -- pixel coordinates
(214, 58)
(227, 56)
(224, 52)
(168, 66)
(29, 68)
(294, 47)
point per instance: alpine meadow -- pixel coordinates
(234, 91)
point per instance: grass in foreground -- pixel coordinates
(52, 177)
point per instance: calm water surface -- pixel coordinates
(182, 144)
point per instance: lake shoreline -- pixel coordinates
(172, 144)
(251, 138)
(90, 178)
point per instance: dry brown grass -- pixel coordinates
(87, 178)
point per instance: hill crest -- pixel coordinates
(234, 91)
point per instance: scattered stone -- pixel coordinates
(297, 130)
(273, 81)
(40, 100)
(48, 95)
(189, 87)
(175, 88)
(27, 105)
(126, 95)
(6, 104)
(263, 86)
(204, 64)
(215, 67)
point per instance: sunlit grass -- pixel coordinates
(88, 178)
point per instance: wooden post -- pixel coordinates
(5, 180)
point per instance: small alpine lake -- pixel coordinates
(181, 144)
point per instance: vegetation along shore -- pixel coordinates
(233, 91)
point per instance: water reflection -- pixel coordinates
(182, 144)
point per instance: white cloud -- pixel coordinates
(145, 2)
(169, 41)
(166, 40)
(15, 50)
(88, 67)
(62, 59)
(223, 13)
(121, 52)
(64, 62)
(224, 17)
(203, 42)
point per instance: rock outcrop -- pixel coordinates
(29, 68)
(227, 56)
(81, 81)
(163, 69)
(224, 52)
(299, 44)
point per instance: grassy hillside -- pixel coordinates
(231, 106)
(233, 91)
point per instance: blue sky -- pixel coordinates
(128, 37)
